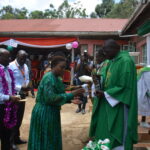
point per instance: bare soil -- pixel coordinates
(74, 126)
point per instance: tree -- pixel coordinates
(104, 8)
(66, 10)
(51, 13)
(93, 15)
(123, 9)
(36, 14)
(21, 13)
(7, 12)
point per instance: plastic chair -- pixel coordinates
(40, 76)
(67, 76)
(34, 75)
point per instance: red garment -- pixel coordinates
(35, 64)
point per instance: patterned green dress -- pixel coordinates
(45, 127)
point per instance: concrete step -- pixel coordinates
(144, 137)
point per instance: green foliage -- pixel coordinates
(93, 15)
(7, 12)
(65, 10)
(51, 12)
(101, 10)
(107, 9)
(123, 9)
(37, 14)
(110, 9)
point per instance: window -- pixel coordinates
(135, 56)
(130, 47)
(95, 49)
(125, 47)
(84, 47)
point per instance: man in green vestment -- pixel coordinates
(115, 114)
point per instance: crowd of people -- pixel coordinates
(113, 93)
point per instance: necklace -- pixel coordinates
(10, 116)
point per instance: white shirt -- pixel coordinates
(20, 80)
(112, 101)
(143, 87)
(4, 97)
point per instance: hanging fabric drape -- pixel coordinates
(52, 42)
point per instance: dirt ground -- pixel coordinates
(74, 126)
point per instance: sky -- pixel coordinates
(44, 4)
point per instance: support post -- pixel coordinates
(72, 68)
(148, 49)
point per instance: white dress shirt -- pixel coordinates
(4, 97)
(20, 79)
(143, 87)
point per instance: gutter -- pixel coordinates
(47, 34)
(132, 35)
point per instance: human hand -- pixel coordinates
(76, 101)
(14, 99)
(71, 88)
(100, 94)
(25, 88)
(77, 92)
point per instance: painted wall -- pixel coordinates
(91, 43)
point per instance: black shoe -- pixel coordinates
(14, 147)
(78, 110)
(19, 141)
(83, 111)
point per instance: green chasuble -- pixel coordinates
(109, 122)
(45, 126)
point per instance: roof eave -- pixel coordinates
(133, 17)
(78, 33)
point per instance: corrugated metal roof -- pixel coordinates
(62, 25)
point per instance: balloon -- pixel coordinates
(75, 44)
(9, 48)
(68, 46)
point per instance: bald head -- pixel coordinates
(22, 52)
(21, 57)
(4, 57)
(111, 43)
(3, 50)
(111, 48)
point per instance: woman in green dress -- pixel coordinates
(45, 127)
